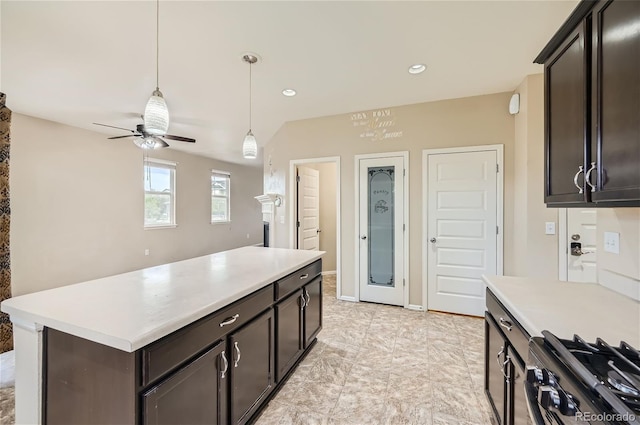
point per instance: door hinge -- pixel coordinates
(404, 227)
(297, 224)
(404, 282)
(497, 230)
(298, 179)
(497, 168)
(404, 172)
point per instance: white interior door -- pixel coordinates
(308, 208)
(381, 218)
(462, 229)
(581, 259)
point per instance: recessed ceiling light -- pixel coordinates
(417, 68)
(289, 92)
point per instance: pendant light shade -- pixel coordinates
(156, 115)
(249, 146)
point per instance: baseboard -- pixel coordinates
(330, 272)
(416, 307)
(346, 298)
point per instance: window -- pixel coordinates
(159, 193)
(220, 191)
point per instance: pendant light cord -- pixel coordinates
(250, 95)
(157, 44)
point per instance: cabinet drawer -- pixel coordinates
(296, 280)
(178, 347)
(514, 332)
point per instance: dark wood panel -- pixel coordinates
(177, 348)
(567, 119)
(296, 280)
(616, 69)
(515, 333)
(518, 412)
(251, 367)
(289, 342)
(312, 311)
(494, 382)
(189, 396)
(85, 380)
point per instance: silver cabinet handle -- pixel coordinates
(506, 362)
(498, 356)
(303, 302)
(575, 179)
(235, 345)
(433, 240)
(587, 177)
(308, 300)
(226, 365)
(506, 324)
(304, 276)
(230, 320)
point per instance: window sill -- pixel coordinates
(166, 226)
(221, 222)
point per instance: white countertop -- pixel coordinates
(131, 310)
(568, 308)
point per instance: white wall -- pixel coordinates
(327, 172)
(479, 120)
(77, 207)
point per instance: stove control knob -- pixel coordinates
(548, 397)
(568, 406)
(537, 376)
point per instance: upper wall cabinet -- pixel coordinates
(592, 107)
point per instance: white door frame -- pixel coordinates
(499, 150)
(357, 158)
(563, 249)
(292, 212)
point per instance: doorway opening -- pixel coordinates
(314, 209)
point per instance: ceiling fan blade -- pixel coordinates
(113, 126)
(179, 138)
(160, 143)
(122, 137)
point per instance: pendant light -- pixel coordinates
(156, 114)
(250, 146)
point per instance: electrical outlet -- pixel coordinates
(550, 228)
(612, 242)
(146, 251)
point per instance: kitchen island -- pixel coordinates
(143, 346)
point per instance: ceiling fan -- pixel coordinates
(146, 140)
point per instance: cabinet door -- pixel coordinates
(289, 342)
(616, 109)
(567, 120)
(251, 367)
(518, 413)
(312, 310)
(194, 394)
(494, 362)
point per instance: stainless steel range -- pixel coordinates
(576, 382)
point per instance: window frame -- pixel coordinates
(168, 165)
(227, 175)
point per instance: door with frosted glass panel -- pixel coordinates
(381, 235)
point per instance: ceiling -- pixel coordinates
(78, 62)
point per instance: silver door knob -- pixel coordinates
(432, 240)
(363, 237)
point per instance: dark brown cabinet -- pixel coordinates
(251, 367)
(289, 313)
(592, 105)
(312, 293)
(179, 398)
(506, 347)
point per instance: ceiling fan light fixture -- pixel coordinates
(250, 146)
(149, 143)
(156, 115)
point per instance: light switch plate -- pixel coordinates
(550, 228)
(281, 219)
(612, 242)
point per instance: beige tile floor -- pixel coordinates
(373, 364)
(377, 364)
